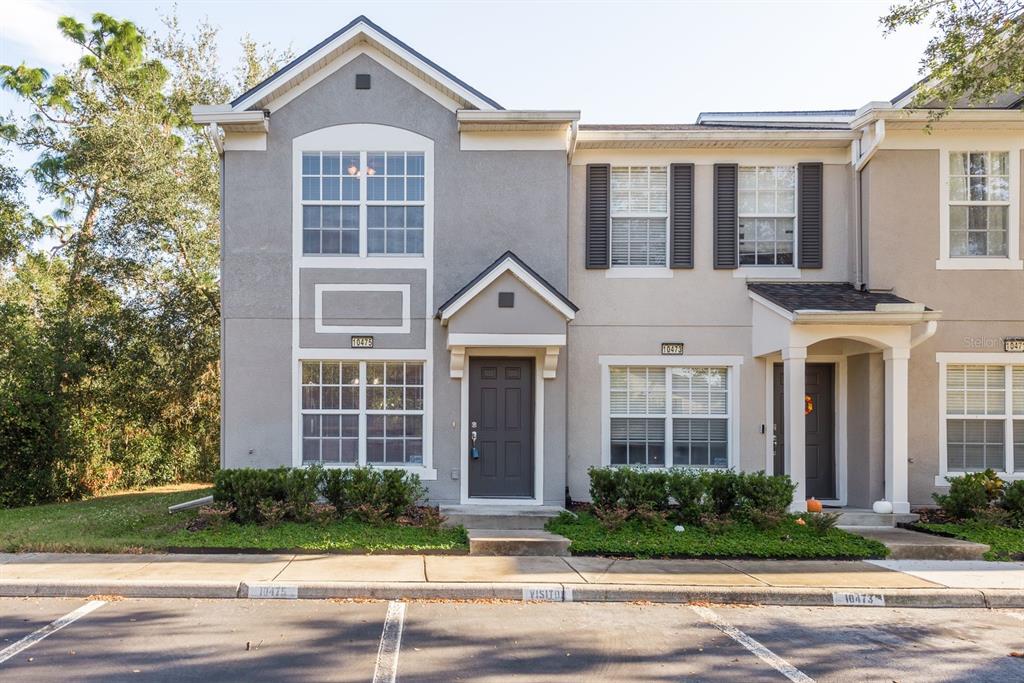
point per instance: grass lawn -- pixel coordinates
(1006, 543)
(742, 540)
(139, 522)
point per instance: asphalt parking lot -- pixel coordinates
(223, 640)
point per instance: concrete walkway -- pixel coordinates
(806, 582)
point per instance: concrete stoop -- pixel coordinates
(904, 544)
(507, 517)
(851, 517)
(516, 542)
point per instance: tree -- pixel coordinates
(976, 54)
(109, 375)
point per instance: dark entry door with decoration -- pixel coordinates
(501, 427)
(819, 423)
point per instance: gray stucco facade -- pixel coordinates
(506, 181)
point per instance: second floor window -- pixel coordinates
(979, 203)
(369, 203)
(767, 215)
(639, 215)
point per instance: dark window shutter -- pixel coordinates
(598, 215)
(809, 215)
(681, 187)
(725, 218)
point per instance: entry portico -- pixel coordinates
(795, 322)
(506, 329)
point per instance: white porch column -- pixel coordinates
(794, 361)
(896, 434)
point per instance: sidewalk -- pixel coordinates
(907, 583)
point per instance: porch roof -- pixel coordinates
(833, 297)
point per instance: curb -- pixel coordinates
(781, 596)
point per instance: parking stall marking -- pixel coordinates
(386, 670)
(48, 630)
(764, 654)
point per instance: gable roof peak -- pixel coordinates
(359, 30)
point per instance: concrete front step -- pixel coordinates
(904, 544)
(516, 542)
(866, 518)
(508, 517)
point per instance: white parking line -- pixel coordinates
(51, 628)
(386, 670)
(764, 654)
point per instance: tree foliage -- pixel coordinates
(109, 307)
(975, 55)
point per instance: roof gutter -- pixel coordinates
(898, 317)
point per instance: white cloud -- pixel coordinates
(29, 33)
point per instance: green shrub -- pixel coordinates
(334, 487)
(821, 522)
(638, 491)
(1013, 502)
(301, 489)
(246, 488)
(373, 495)
(764, 496)
(969, 494)
(689, 490)
(723, 487)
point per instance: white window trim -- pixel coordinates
(732, 365)
(642, 272)
(364, 137)
(425, 470)
(1005, 359)
(1013, 260)
(785, 271)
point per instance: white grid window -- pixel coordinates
(984, 418)
(359, 412)
(394, 420)
(330, 203)
(669, 416)
(342, 215)
(767, 215)
(395, 202)
(979, 204)
(639, 215)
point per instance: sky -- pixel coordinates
(616, 61)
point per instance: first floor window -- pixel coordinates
(767, 215)
(362, 412)
(984, 418)
(675, 416)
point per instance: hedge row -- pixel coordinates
(690, 496)
(369, 494)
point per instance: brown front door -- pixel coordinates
(819, 425)
(501, 415)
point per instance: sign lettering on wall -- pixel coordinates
(362, 342)
(671, 348)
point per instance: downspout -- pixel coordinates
(862, 157)
(930, 328)
(573, 131)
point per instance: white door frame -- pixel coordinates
(538, 425)
(840, 428)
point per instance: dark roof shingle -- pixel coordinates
(822, 296)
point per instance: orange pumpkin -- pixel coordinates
(813, 505)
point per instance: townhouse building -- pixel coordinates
(497, 300)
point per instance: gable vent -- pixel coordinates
(362, 81)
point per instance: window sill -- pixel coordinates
(425, 473)
(767, 273)
(638, 273)
(979, 264)
(940, 480)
